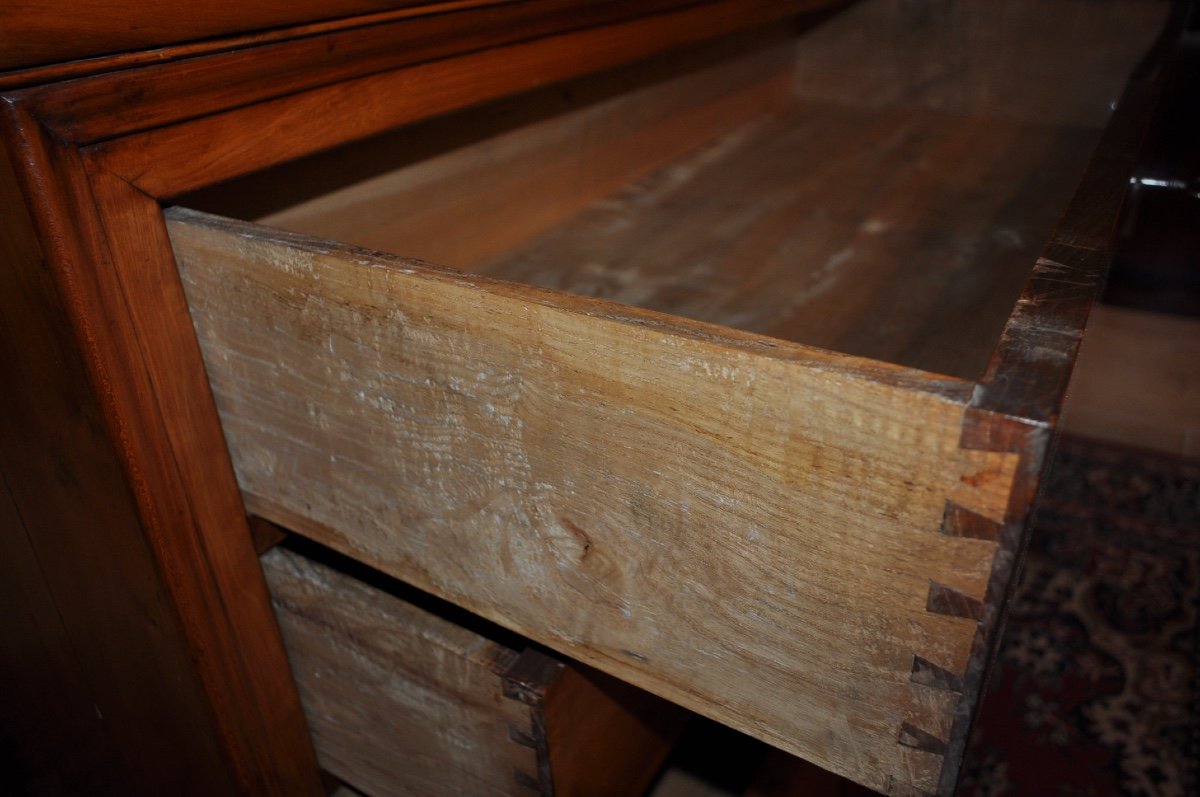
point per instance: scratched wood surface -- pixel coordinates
(787, 540)
(901, 235)
(898, 223)
(403, 701)
(399, 701)
(461, 190)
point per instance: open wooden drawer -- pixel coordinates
(403, 699)
(745, 387)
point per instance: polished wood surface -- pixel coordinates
(36, 32)
(203, 151)
(112, 104)
(161, 422)
(100, 693)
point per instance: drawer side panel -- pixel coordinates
(755, 530)
(399, 701)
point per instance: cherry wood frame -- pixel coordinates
(142, 629)
(136, 596)
(120, 31)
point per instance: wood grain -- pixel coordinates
(461, 189)
(904, 236)
(1059, 62)
(404, 701)
(39, 32)
(176, 567)
(224, 145)
(158, 413)
(163, 591)
(249, 682)
(553, 463)
(37, 72)
(899, 233)
(100, 692)
(106, 105)
(400, 701)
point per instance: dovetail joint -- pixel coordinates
(526, 780)
(520, 737)
(949, 601)
(958, 521)
(918, 739)
(926, 673)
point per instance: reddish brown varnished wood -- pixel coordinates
(100, 692)
(195, 483)
(187, 515)
(36, 32)
(265, 534)
(190, 155)
(116, 104)
(50, 72)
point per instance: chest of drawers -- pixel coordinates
(746, 404)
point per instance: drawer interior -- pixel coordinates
(880, 185)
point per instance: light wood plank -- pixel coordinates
(901, 235)
(400, 702)
(465, 189)
(746, 527)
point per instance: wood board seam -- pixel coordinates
(959, 521)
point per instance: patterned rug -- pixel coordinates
(1097, 690)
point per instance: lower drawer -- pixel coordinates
(404, 702)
